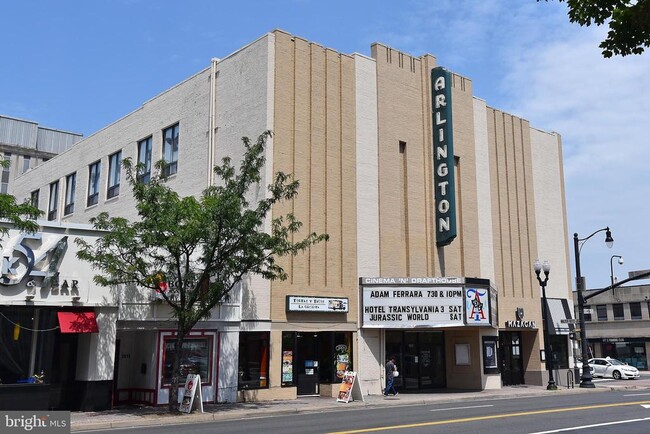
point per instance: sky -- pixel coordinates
(78, 65)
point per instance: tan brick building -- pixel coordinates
(363, 136)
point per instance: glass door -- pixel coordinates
(512, 371)
(307, 363)
(420, 359)
(432, 360)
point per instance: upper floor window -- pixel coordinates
(70, 187)
(144, 159)
(635, 310)
(170, 150)
(4, 184)
(33, 200)
(93, 183)
(54, 201)
(114, 165)
(618, 311)
(601, 311)
(27, 160)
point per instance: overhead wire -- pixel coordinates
(27, 328)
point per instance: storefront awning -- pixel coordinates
(560, 316)
(78, 322)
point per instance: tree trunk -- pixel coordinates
(176, 368)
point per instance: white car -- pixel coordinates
(579, 366)
(616, 369)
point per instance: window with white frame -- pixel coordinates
(54, 201)
(144, 160)
(93, 183)
(114, 166)
(70, 187)
(33, 200)
(4, 185)
(27, 160)
(170, 150)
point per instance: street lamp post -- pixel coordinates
(611, 266)
(585, 379)
(547, 321)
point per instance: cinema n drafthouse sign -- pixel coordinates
(409, 302)
(443, 157)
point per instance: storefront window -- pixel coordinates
(195, 359)
(632, 353)
(336, 356)
(25, 352)
(560, 346)
(15, 344)
(326, 355)
(253, 360)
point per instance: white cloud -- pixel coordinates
(528, 59)
(601, 107)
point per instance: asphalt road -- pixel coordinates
(607, 412)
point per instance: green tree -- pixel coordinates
(629, 23)
(205, 246)
(21, 215)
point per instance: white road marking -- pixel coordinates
(645, 406)
(462, 408)
(637, 394)
(575, 428)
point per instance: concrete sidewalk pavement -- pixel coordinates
(152, 416)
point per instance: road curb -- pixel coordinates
(216, 414)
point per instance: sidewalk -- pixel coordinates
(151, 416)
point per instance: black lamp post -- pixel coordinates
(547, 321)
(585, 379)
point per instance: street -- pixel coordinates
(606, 412)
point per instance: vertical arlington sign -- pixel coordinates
(443, 157)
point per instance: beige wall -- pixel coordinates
(515, 241)
(405, 186)
(315, 136)
(407, 238)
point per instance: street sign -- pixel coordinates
(588, 311)
(568, 321)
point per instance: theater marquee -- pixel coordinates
(402, 303)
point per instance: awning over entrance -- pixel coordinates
(560, 316)
(78, 322)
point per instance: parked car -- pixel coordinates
(613, 368)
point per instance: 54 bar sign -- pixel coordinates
(28, 257)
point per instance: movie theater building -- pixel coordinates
(433, 201)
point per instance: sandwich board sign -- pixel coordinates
(350, 389)
(192, 396)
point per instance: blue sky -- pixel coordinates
(79, 65)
